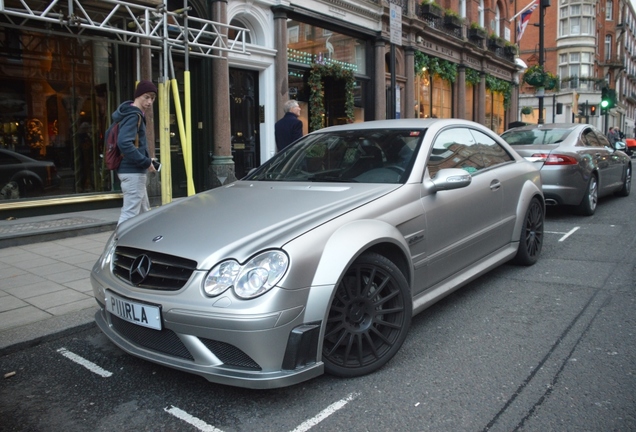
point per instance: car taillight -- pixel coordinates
(555, 159)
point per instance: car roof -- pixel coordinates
(404, 124)
(546, 126)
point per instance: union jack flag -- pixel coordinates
(525, 18)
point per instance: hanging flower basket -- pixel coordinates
(526, 110)
(550, 81)
(535, 76)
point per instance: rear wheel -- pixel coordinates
(590, 199)
(368, 319)
(531, 240)
(627, 183)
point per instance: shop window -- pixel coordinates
(56, 106)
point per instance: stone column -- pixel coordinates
(222, 167)
(280, 43)
(481, 100)
(380, 80)
(461, 92)
(409, 91)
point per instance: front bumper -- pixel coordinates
(269, 349)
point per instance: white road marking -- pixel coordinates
(196, 422)
(308, 424)
(83, 362)
(569, 233)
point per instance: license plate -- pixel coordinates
(137, 313)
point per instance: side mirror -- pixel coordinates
(620, 145)
(451, 178)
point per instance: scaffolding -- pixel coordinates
(148, 24)
(131, 24)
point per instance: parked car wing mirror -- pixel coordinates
(451, 178)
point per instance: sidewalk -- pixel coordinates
(45, 263)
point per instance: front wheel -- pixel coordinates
(531, 240)
(368, 319)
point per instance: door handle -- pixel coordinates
(495, 185)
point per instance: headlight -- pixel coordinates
(250, 280)
(109, 250)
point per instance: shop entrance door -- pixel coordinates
(244, 119)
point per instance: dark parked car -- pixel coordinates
(22, 176)
(578, 165)
(318, 260)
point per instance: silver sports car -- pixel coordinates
(317, 261)
(578, 164)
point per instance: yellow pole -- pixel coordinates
(182, 134)
(164, 142)
(188, 129)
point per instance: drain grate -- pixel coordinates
(31, 227)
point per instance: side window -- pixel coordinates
(455, 148)
(591, 140)
(491, 152)
(602, 139)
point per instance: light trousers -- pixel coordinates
(133, 186)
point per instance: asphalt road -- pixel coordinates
(545, 348)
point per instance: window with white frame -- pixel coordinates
(608, 47)
(609, 10)
(575, 67)
(576, 18)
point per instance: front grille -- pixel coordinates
(167, 272)
(167, 342)
(164, 341)
(230, 355)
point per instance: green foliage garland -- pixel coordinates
(317, 95)
(497, 85)
(472, 77)
(444, 69)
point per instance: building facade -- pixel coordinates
(61, 76)
(588, 46)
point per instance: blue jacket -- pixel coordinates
(287, 130)
(136, 160)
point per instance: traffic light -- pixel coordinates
(592, 110)
(582, 109)
(608, 99)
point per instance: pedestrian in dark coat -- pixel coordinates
(289, 128)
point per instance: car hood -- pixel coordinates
(240, 219)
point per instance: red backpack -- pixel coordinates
(112, 155)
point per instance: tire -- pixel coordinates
(627, 183)
(368, 319)
(531, 239)
(588, 204)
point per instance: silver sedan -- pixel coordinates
(317, 261)
(578, 164)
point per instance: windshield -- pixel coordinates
(369, 156)
(535, 136)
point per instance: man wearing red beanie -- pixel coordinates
(133, 146)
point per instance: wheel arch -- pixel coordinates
(529, 191)
(353, 239)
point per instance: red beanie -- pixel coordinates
(145, 86)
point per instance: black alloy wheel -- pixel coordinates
(531, 240)
(368, 319)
